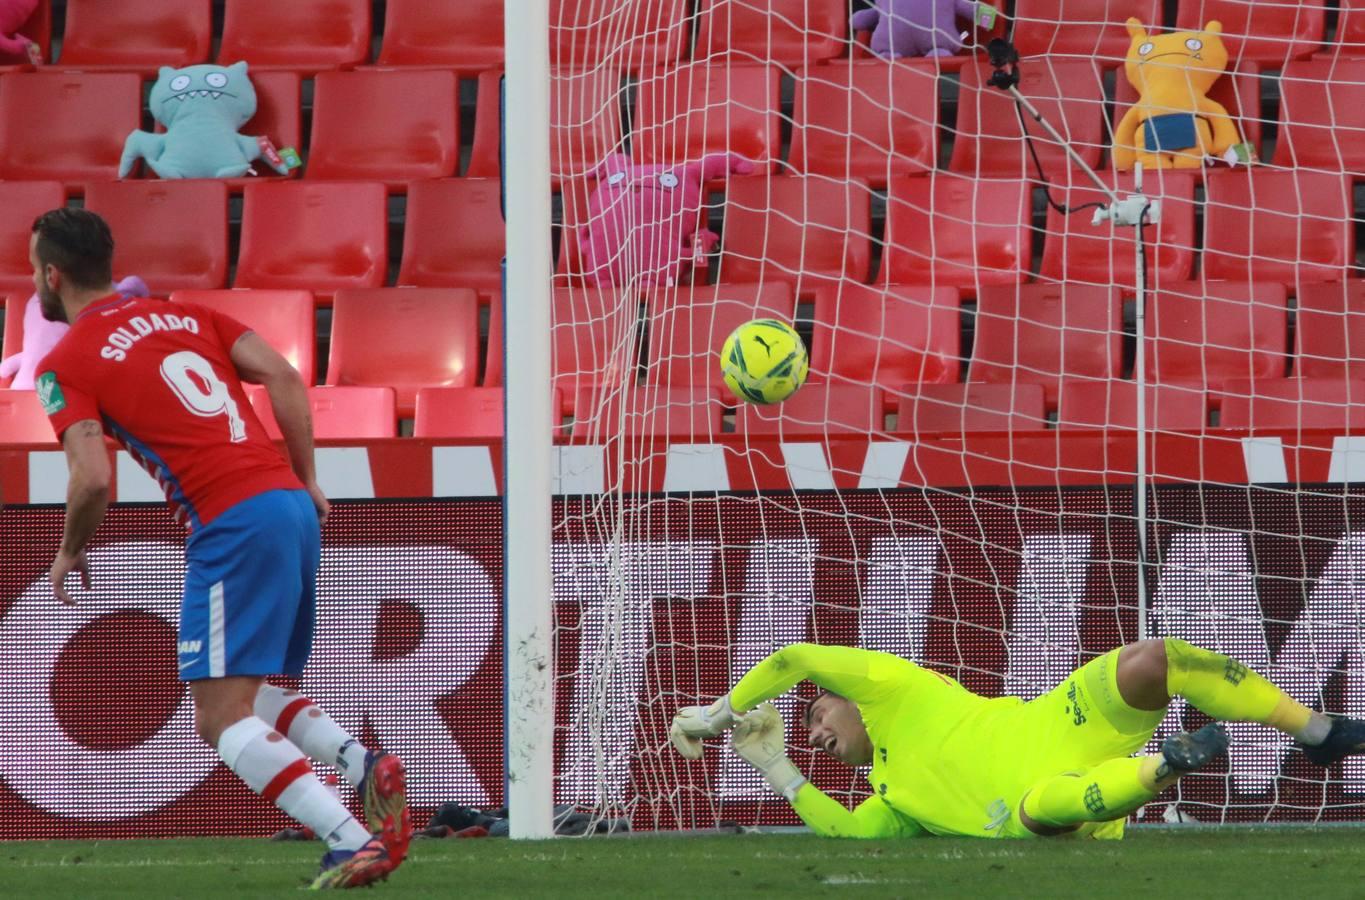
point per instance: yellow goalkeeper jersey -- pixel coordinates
(945, 760)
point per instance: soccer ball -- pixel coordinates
(764, 361)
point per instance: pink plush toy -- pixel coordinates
(13, 15)
(40, 336)
(643, 220)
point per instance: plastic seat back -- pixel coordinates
(465, 36)
(140, 35)
(172, 234)
(454, 235)
(302, 35)
(22, 201)
(283, 319)
(66, 126)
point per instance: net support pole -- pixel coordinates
(528, 461)
(1134, 210)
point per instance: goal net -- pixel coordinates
(991, 381)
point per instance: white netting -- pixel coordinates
(955, 482)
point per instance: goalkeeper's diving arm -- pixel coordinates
(859, 675)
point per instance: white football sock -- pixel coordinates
(310, 729)
(274, 768)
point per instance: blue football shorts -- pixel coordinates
(250, 589)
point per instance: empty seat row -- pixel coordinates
(866, 119)
(311, 35)
(311, 236)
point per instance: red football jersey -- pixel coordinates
(160, 377)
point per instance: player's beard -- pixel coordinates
(50, 303)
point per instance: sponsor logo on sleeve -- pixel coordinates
(50, 393)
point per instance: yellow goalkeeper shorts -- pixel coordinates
(1078, 724)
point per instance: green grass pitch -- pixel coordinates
(1176, 862)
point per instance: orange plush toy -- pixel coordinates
(1174, 125)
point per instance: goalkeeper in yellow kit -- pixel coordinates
(947, 761)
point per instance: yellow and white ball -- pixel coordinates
(764, 361)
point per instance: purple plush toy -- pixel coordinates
(40, 336)
(643, 220)
(920, 27)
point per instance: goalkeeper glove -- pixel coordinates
(692, 723)
(762, 741)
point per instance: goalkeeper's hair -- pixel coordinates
(805, 716)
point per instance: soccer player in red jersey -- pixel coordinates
(165, 382)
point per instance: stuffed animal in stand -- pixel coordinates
(921, 27)
(13, 15)
(201, 108)
(1174, 125)
(40, 336)
(643, 221)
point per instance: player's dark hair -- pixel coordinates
(805, 717)
(79, 244)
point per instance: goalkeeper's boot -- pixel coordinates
(1346, 738)
(383, 791)
(1188, 751)
(355, 868)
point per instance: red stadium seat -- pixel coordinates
(1089, 29)
(686, 329)
(952, 408)
(790, 32)
(172, 234)
(1331, 330)
(1277, 225)
(1204, 334)
(591, 338)
(956, 231)
(22, 201)
(1067, 92)
(22, 420)
(1293, 404)
(867, 119)
(283, 319)
(465, 36)
(855, 410)
(303, 35)
(394, 126)
(1350, 40)
(630, 34)
(38, 29)
(684, 113)
(472, 412)
(685, 415)
(1113, 404)
(1077, 250)
(1267, 33)
(585, 123)
(811, 231)
(277, 111)
(339, 413)
(1046, 334)
(1238, 91)
(405, 338)
(484, 161)
(136, 35)
(66, 126)
(313, 236)
(886, 335)
(454, 235)
(1322, 115)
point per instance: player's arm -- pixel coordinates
(87, 498)
(760, 740)
(863, 676)
(259, 363)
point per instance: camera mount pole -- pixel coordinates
(1135, 210)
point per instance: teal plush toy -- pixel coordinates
(201, 108)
